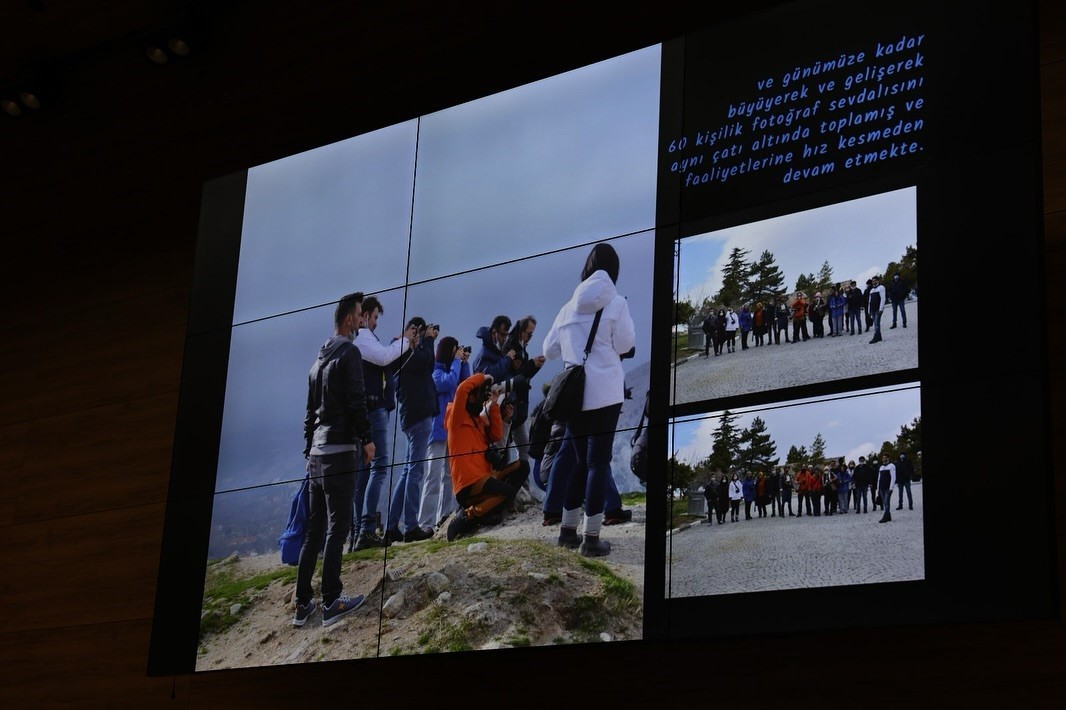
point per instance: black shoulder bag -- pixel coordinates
(567, 390)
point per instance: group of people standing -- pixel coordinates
(829, 490)
(847, 309)
(459, 419)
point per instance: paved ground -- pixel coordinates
(764, 554)
(772, 367)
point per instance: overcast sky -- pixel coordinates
(852, 424)
(567, 160)
(858, 238)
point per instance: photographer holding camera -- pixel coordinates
(473, 420)
(418, 406)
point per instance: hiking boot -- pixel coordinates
(417, 535)
(341, 607)
(551, 519)
(493, 518)
(617, 517)
(460, 526)
(368, 540)
(393, 535)
(569, 538)
(304, 612)
(593, 546)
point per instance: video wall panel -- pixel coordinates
(770, 187)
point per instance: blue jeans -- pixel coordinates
(877, 324)
(332, 488)
(854, 321)
(438, 500)
(369, 479)
(593, 435)
(842, 499)
(407, 492)
(860, 494)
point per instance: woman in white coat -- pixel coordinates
(593, 430)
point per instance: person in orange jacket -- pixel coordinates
(473, 421)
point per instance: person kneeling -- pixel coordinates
(472, 422)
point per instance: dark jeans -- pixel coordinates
(860, 493)
(593, 440)
(562, 470)
(901, 305)
(332, 493)
(904, 486)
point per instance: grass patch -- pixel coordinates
(446, 632)
(680, 515)
(223, 589)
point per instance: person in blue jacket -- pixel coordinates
(450, 368)
(748, 485)
(746, 321)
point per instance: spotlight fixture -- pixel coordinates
(174, 40)
(16, 102)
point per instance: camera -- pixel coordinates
(502, 387)
(467, 349)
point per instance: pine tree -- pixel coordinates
(758, 450)
(818, 450)
(797, 456)
(807, 284)
(765, 279)
(725, 448)
(734, 278)
(825, 278)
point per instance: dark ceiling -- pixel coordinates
(121, 146)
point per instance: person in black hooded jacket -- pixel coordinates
(337, 441)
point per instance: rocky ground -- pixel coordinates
(509, 585)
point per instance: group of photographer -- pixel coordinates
(846, 309)
(593, 329)
(820, 490)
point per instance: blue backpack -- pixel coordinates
(292, 539)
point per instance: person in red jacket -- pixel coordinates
(472, 422)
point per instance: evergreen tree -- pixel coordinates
(825, 279)
(725, 448)
(683, 312)
(682, 475)
(797, 456)
(818, 450)
(734, 278)
(765, 280)
(807, 284)
(758, 450)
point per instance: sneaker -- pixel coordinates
(341, 607)
(569, 538)
(304, 612)
(368, 540)
(393, 535)
(617, 517)
(417, 535)
(460, 526)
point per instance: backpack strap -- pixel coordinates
(592, 334)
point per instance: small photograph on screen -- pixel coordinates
(321, 220)
(799, 494)
(559, 162)
(814, 296)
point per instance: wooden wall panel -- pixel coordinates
(81, 569)
(94, 665)
(117, 455)
(113, 353)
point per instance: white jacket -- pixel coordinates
(615, 335)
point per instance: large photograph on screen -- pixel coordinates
(471, 233)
